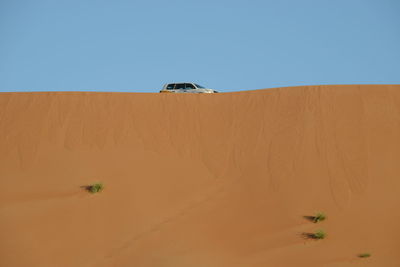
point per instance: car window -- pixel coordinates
(170, 86)
(189, 86)
(199, 86)
(180, 86)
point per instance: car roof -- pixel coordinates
(179, 82)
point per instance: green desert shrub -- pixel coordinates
(364, 255)
(95, 188)
(320, 234)
(319, 217)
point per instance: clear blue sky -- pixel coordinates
(229, 45)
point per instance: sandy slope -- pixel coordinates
(201, 180)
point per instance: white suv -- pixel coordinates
(185, 88)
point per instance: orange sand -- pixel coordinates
(218, 180)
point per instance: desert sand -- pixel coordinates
(219, 180)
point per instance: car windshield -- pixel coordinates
(199, 86)
(190, 86)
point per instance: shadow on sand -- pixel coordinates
(310, 218)
(87, 188)
(309, 236)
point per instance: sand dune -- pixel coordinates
(201, 180)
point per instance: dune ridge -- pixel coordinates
(201, 180)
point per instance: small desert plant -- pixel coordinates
(320, 234)
(319, 217)
(95, 188)
(364, 255)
